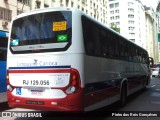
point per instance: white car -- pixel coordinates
(155, 72)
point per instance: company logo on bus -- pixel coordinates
(36, 63)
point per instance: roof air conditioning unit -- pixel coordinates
(4, 23)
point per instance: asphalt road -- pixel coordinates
(139, 104)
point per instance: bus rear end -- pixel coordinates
(41, 69)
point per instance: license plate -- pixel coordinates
(37, 92)
(36, 82)
(35, 102)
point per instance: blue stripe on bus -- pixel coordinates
(3, 34)
(40, 67)
(3, 85)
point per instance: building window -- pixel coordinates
(82, 9)
(131, 28)
(130, 22)
(112, 18)
(38, 4)
(72, 4)
(130, 3)
(132, 34)
(83, 1)
(86, 11)
(116, 11)
(116, 17)
(46, 5)
(94, 16)
(94, 5)
(67, 3)
(131, 10)
(111, 6)
(130, 16)
(116, 5)
(111, 12)
(133, 40)
(5, 14)
(26, 2)
(117, 23)
(19, 12)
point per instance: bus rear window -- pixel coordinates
(43, 32)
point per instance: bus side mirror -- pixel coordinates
(151, 61)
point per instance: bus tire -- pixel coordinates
(145, 85)
(146, 82)
(123, 97)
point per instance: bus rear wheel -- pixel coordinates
(123, 97)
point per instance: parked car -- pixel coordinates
(155, 72)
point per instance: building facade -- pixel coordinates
(152, 28)
(137, 23)
(11, 8)
(129, 16)
(97, 9)
(159, 35)
(156, 30)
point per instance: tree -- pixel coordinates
(115, 28)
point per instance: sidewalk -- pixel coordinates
(3, 97)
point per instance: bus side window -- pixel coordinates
(125, 51)
(96, 40)
(130, 55)
(104, 43)
(121, 48)
(116, 47)
(111, 44)
(135, 55)
(87, 35)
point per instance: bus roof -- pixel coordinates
(49, 9)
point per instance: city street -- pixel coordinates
(148, 100)
(58, 57)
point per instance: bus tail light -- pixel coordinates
(9, 87)
(7, 77)
(75, 83)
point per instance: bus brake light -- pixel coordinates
(75, 83)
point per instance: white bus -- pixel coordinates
(60, 59)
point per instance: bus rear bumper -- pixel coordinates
(70, 103)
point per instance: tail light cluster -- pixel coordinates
(75, 82)
(9, 87)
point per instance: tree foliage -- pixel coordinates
(115, 28)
